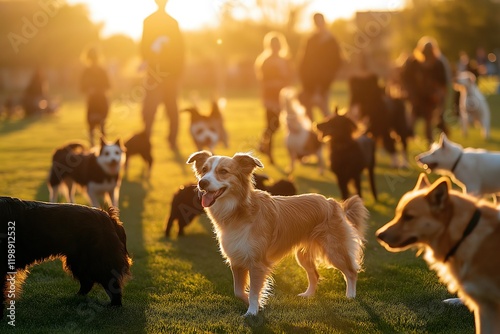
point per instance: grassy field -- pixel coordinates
(182, 285)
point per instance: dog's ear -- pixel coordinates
(422, 182)
(119, 143)
(443, 140)
(247, 162)
(199, 158)
(438, 196)
(103, 141)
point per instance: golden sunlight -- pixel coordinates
(125, 17)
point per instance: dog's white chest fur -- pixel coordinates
(236, 244)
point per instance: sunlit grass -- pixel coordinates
(182, 285)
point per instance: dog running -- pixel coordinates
(255, 230)
(460, 238)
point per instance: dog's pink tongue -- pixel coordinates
(208, 199)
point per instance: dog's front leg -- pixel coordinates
(240, 282)
(94, 199)
(487, 319)
(258, 274)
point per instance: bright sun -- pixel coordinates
(126, 17)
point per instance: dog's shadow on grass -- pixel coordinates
(9, 126)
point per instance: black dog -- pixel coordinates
(90, 242)
(186, 204)
(279, 188)
(139, 144)
(349, 156)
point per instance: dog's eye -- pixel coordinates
(223, 171)
(204, 169)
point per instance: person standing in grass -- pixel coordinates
(274, 72)
(318, 65)
(95, 84)
(163, 51)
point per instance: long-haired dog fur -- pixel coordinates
(349, 155)
(97, 171)
(255, 230)
(460, 238)
(186, 202)
(91, 243)
(301, 140)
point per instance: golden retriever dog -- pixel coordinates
(255, 230)
(460, 237)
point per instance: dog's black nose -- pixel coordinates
(203, 184)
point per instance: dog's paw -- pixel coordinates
(306, 294)
(254, 320)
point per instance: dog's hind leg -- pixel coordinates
(85, 286)
(240, 282)
(306, 261)
(170, 223)
(339, 255)
(258, 276)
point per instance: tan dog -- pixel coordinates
(255, 230)
(460, 237)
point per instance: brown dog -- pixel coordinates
(460, 237)
(255, 230)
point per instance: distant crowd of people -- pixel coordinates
(424, 79)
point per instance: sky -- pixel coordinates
(126, 16)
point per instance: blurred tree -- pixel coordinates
(48, 33)
(456, 24)
(119, 48)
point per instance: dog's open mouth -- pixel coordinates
(208, 197)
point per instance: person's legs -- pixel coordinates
(149, 106)
(273, 123)
(170, 90)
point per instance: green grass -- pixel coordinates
(182, 285)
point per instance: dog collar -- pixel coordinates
(456, 162)
(468, 230)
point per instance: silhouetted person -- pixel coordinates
(162, 48)
(367, 102)
(318, 66)
(95, 84)
(274, 71)
(426, 77)
(35, 94)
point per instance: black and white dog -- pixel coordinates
(91, 243)
(208, 131)
(97, 171)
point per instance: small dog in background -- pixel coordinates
(139, 144)
(186, 206)
(300, 138)
(96, 170)
(208, 131)
(91, 243)
(460, 238)
(475, 170)
(256, 230)
(472, 105)
(349, 155)
(278, 188)
(186, 203)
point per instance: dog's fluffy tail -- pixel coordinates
(357, 214)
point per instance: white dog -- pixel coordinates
(477, 171)
(472, 105)
(256, 230)
(301, 140)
